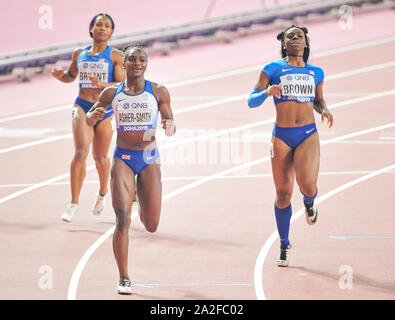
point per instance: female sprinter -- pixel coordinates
(97, 66)
(136, 104)
(296, 87)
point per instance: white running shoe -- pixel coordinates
(70, 211)
(311, 214)
(283, 260)
(99, 204)
(125, 286)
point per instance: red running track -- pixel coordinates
(216, 238)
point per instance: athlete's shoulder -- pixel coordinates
(317, 71)
(109, 93)
(315, 68)
(160, 91)
(158, 87)
(77, 51)
(116, 53)
(275, 64)
(271, 68)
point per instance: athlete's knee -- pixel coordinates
(309, 190)
(81, 154)
(123, 219)
(283, 197)
(100, 158)
(151, 224)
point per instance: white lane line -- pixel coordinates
(206, 105)
(36, 186)
(258, 276)
(36, 113)
(187, 178)
(220, 75)
(259, 66)
(73, 286)
(167, 146)
(152, 285)
(361, 237)
(49, 181)
(35, 143)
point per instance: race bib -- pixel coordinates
(298, 87)
(134, 116)
(91, 68)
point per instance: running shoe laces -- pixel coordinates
(124, 286)
(283, 260)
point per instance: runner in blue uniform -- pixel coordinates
(296, 87)
(97, 66)
(136, 103)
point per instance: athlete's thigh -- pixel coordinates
(102, 137)
(307, 161)
(122, 186)
(82, 134)
(149, 190)
(282, 165)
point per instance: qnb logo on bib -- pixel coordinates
(89, 68)
(299, 87)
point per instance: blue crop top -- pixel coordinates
(299, 83)
(99, 65)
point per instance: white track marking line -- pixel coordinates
(73, 286)
(347, 102)
(259, 66)
(360, 237)
(36, 186)
(220, 75)
(35, 143)
(187, 178)
(206, 105)
(258, 277)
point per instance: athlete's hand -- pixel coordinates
(92, 117)
(168, 126)
(96, 82)
(326, 114)
(275, 90)
(57, 73)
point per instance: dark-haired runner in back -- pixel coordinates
(296, 87)
(97, 66)
(136, 104)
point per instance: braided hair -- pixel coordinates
(306, 51)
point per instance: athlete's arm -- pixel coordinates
(166, 113)
(119, 71)
(262, 90)
(98, 110)
(320, 105)
(72, 71)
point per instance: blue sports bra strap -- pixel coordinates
(120, 88)
(107, 51)
(148, 86)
